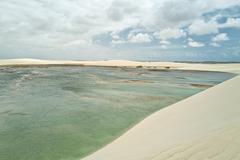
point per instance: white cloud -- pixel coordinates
(119, 41)
(220, 37)
(200, 27)
(164, 42)
(169, 34)
(214, 44)
(139, 38)
(163, 46)
(116, 39)
(231, 22)
(115, 36)
(195, 44)
(133, 37)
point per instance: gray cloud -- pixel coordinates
(177, 13)
(121, 8)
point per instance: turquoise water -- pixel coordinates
(65, 113)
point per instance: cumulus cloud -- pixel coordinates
(164, 42)
(195, 44)
(169, 34)
(200, 27)
(231, 23)
(139, 38)
(179, 13)
(116, 39)
(214, 44)
(220, 37)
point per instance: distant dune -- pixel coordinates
(228, 67)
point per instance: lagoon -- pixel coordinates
(65, 113)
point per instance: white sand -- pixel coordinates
(232, 67)
(205, 126)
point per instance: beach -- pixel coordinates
(203, 126)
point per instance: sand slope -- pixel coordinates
(204, 126)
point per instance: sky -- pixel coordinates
(144, 30)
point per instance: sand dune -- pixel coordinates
(204, 126)
(222, 144)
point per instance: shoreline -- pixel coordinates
(219, 67)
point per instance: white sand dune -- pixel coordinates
(205, 126)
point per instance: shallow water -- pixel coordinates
(65, 113)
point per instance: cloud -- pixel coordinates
(163, 46)
(231, 23)
(119, 9)
(44, 26)
(220, 37)
(164, 42)
(177, 13)
(180, 13)
(119, 41)
(200, 27)
(214, 44)
(195, 44)
(169, 34)
(116, 39)
(139, 38)
(76, 43)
